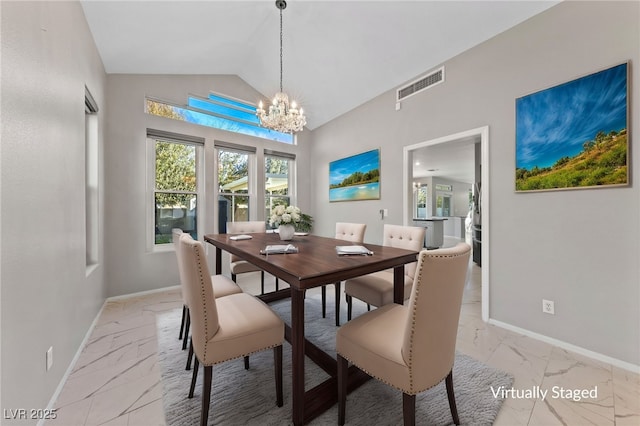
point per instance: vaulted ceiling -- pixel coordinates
(337, 54)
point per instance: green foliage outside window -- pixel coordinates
(232, 166)
(175, 189)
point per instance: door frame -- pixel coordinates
(407, 200)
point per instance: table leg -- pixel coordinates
(218, 261)
(398, 284)
(297, 355)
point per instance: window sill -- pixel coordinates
(161, 248)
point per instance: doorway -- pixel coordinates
(480, 134)
(443, 203)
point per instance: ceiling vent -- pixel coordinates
(432, 79)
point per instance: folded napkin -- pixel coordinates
(357, 250)
(279, 249)
(240, 237)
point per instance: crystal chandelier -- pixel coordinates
(282, 116)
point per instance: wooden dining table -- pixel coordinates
(316, 263)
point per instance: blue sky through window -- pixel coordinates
(225, 110)
(226, 114)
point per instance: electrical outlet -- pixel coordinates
(49, 357)
(548, 307)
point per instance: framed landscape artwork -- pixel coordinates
(574, 135)
(355, 178)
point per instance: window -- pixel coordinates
(420, 201)
(444, 204)
(234, 184)
(176, 184)
(91, 179)
(220, 112)
(277, 180)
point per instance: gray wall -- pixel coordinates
(48, 56)
(578, 248)
(131, 267)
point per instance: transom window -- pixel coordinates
(219, 112)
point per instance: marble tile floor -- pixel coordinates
(116, 380)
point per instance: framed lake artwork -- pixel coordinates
(574, 135)
(355, 178)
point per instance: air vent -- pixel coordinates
(423, 83)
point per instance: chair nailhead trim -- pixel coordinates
(243, 355)
(202, 294)
(415, 392)
(413, 313)
(413, 323)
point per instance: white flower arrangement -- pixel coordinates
(282, 215)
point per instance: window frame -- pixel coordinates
(424, 189)
(92, 183)
(291, 173)
(153, 136)
(252, 181)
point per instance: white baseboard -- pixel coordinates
(568, 346)
(141, 293)
(73, 362)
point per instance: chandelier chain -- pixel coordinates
(281, 50)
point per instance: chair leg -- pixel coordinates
(452, 398)
(343, 365)
(337, 286)
(368, 307)
(349, 306)
(409, 409)
(277, 361)
(189, 355)
(324, 301)
(206, 394)
(194, 377)
(184, 314)
(246, 362)
(186, 330)
(277, 284)
(234, 278)
(261, 282)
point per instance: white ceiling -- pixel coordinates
(337, 54)
(453, 160)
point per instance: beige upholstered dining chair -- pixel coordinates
(222, 286)
(411, 348)
(238, 265)
(354, 233)
(225, 328)
(377, 289)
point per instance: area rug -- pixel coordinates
(247, 397)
